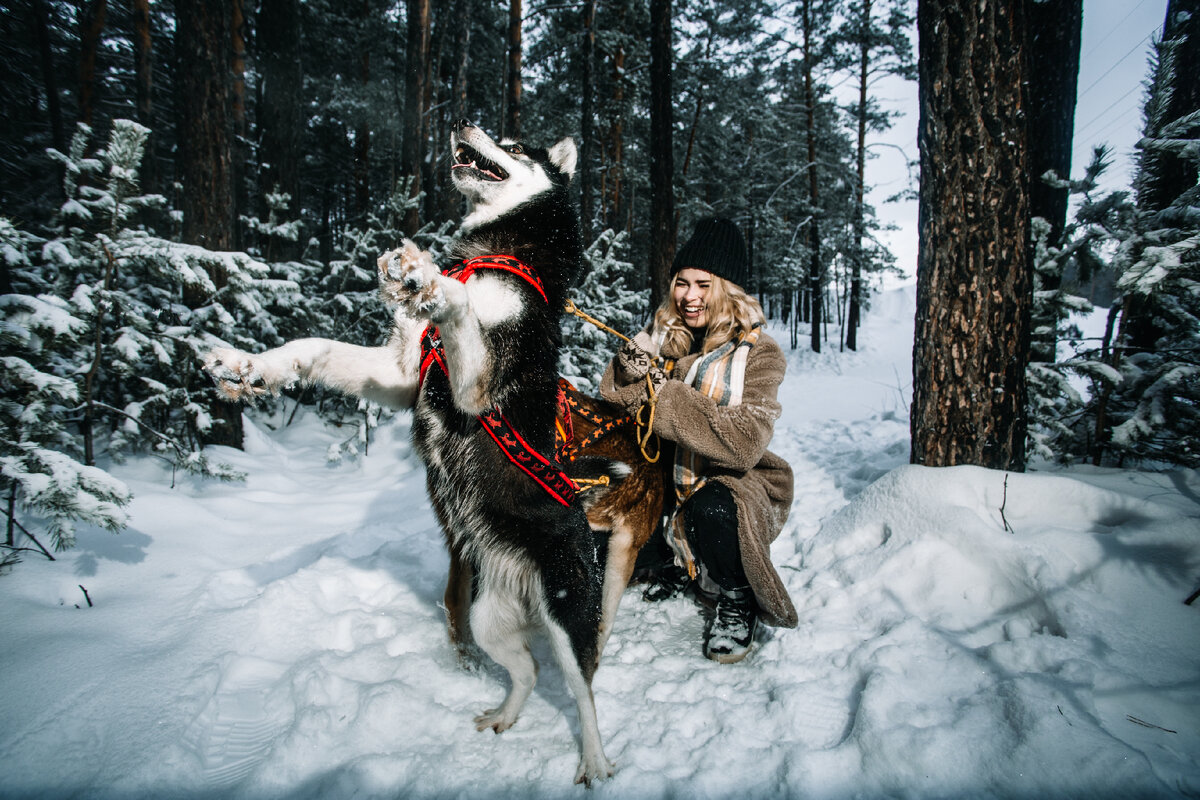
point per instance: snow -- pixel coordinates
(962, 633)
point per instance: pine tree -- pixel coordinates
(606, 294)
(40, 457)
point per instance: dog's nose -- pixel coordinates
(461, 124)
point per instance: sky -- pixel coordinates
(1112, 72)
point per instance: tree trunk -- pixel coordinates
(416, 80)
(362, 130)
(203, 47)
(49, 76)
(854, 310)
(241, 133)
(662, 197)
(973, 282)
(143, 68)
(280, 119)
(511, 124)
(587, 115)
(815, 283)
(91, 26)
(1054, 37)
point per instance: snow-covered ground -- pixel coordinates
(962, 633)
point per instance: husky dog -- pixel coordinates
(474, 352)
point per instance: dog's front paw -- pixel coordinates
(239, 376)
(498, 719)
(409, 278)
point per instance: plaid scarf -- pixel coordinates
(720, 375)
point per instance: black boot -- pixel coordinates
(666, 583)
(731, 632)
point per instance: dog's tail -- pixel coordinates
(597, 476)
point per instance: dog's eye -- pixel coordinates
(515, 149)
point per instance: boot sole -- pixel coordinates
(728, 658)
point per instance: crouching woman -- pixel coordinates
(714, 375)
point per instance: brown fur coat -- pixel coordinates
(734, 439)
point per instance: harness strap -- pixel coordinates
(548, 474)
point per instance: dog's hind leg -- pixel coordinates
(593, 764)
(618, 568)
(457, 602)
(500, 622)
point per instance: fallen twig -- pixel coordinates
(86, 596)
(1145, 724)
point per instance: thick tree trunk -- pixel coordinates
(1054, 37)
(204, 50)
(662, 196)
(973, 283)
(416, 80)
(511, 125)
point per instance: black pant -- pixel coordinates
(711, 526)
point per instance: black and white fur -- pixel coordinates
(533, 559)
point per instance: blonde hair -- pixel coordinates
(730, 313)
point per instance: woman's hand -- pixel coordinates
(633, 362)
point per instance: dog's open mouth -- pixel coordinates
(470, 158)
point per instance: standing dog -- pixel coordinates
(474, 352)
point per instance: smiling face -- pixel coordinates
(690, 293)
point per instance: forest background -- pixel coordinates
(181, 174)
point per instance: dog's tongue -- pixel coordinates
(475, 166)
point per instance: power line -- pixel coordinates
(1113, 30)
(1119, 61)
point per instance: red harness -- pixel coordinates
(546, 472)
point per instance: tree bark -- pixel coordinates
(203, 47)
(973, 282)
(91, 26)
(416, 80)
(1055, 28)
(662, 196)
(511, 125)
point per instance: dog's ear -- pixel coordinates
(564, 156)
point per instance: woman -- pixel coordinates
(714, 375)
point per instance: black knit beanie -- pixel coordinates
(716, 246)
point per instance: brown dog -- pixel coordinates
(629, 511)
